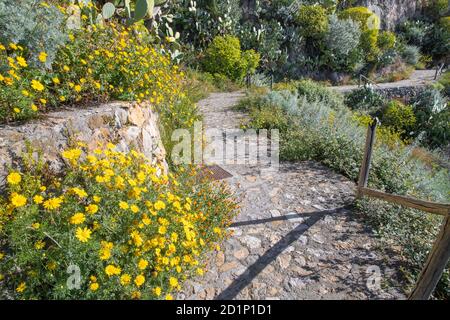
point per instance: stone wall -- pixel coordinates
(127, 125)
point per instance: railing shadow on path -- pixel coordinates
(270, 255)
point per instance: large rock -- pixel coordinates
(126, 124)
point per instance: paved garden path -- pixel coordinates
(296, 236)
(418, 78)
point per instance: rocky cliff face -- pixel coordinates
(127, 125)
(393, 12)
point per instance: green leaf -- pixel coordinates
(108, 10)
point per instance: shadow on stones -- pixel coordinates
(270, 255)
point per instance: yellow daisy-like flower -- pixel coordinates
(39, 245)
(77, 88)
(38, 199)
(142, 264)
(36, 225)
(159, 205)
(77, 218)
(83, 234)
(97, 199)
(134, 208)
(53, 203)
(34, 107)
(66, 68)
(36, 85)
(162, 230)
(21, 287)
(111, 270)
(123, 205)
(42, 57)
(169, 296)
(17, 200)
(173, 282)
(93, 286)
(22, 62)
(125, 279)
(56, 80)
(92, 208)
(139, 280)
(14, 178)
(157, 291)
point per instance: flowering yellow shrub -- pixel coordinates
(110, 228)
(98, 62)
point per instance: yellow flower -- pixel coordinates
(14, 178)
(134, 208)
(159, 205)
(125, 279)
(157, 291)
(139, 280)
(71, 154)
(42, 57)
(105, 251)
(25, 93)
(142, 264)
(162, 230)
(36, 85)
(38, 199)
(36, 225)
(83, 234)
(62, 98)
(77, 218)
(135, 295)
(66, 68)
(43, 101)
(53, 203)
(1, 255)
(18, 200)
(173, 282)
(21, 288)
(34, 107)
(97, 199)
(111, 270)
(77, 88)
(22, 62)
(93, 286)
(16, 110)
(92, 208)
(123, 205)
(169, 296)
(56, 80)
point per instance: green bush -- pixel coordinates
(342, 44)
(415, 32)
(313, 21)
(315, 92)
(318, 132)
(433, 117)
(444, 80)
(370, 25)
(411, 54)
(224, 56)
(400, 117)
(386, 40)
(37, 28)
